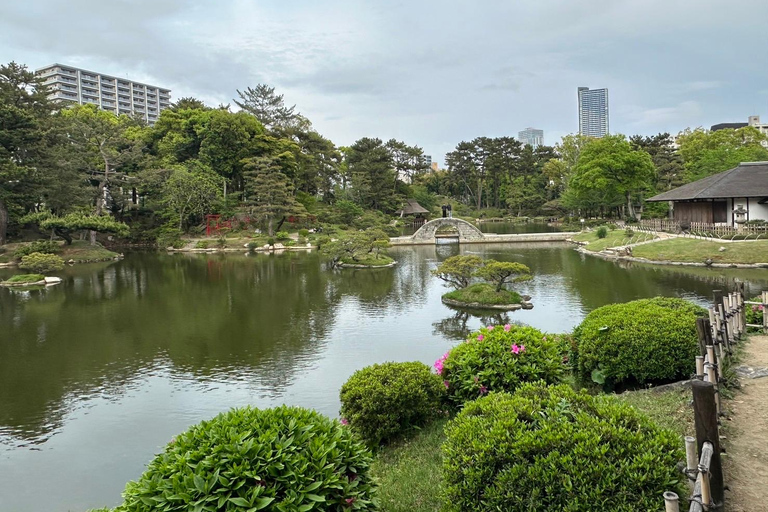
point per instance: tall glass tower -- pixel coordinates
(593, 112)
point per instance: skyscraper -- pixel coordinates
(593, 112)
(531, 136)
(117, 95)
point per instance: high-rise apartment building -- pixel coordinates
(427, 160)
(531, 136)
(117, 95)
(593, 112)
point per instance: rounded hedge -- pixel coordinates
(499, 358)
(41, 263)
(553, 449)
(286, 458)
(382, 401)
(639, 341)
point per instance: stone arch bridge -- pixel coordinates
(467, 232)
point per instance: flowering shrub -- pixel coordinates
(287, 458)
(499, 358)
(382, 401)
(754, 313)
(639, 341)
(553, 449)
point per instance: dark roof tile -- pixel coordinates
(749, 179)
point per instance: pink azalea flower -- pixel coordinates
(490, 327)
(446, 383)
(350, 501)
(514, 349)
(480, 337)
(483, 390)
(522, 348)
(507, 327)
(344, 421)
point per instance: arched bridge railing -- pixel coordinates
(465, 230)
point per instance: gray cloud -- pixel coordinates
(430, 72)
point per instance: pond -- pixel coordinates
(99, 373)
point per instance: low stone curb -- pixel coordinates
(749, 372)
(477, 305)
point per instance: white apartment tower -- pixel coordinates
(593, 112)
(117, 95)
(531, 136)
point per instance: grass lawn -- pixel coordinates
(692, 250)
(410, 471)
(26, 278)
(484, 293)
(82, 251)
(371, 260)
(615, 238)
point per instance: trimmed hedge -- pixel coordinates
(553, 449)
(639, 341)
(41, 263)
(499, 358)
(383, 401)
(43, 246)
(280, 459)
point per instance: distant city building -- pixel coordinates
(727, 126)
(531, 136)
(427, 160)
(754, 121)
(593, 112)
(435, 167)
(116, 95)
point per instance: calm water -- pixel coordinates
(98, 373)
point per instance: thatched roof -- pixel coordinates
(412, 208)
(749, 179)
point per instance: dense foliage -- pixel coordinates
(484, 294)
(639, 341)
(44, 246)
(754, 313)
(280, 459)
(41, 263)
(25, 278)
(553, 449)
(458, 270)
(382, 401)
(499, 358)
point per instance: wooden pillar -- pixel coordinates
(705, 417)
(765, 312)
(704, 330)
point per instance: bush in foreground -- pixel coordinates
(41, 263)
(639, 341)
(552, 449)
(499, 358)
(382, 401)
(280, 459)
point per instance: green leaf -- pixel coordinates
(263, 502)
(240, 502)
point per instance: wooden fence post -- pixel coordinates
(705, 417)
(765, 312)
(704, 330)
(671, 502)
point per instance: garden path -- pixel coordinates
(746, 470)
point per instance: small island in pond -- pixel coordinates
(492, 293)
(362, 249)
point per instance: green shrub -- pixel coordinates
(322, 241)
(754, 313)
(252, 246)
(602, 232)
(499, 358)
(282, 235)
(169, 237)
(42, 246)
(221, 242)
(202, 244)
(629, 233)
(304, 233)
(382, 401)
(639, 341)
(271, 241)
(286, 458)
(553, 449)
(26, 278)
(41, 263)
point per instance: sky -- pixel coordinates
(429, 72)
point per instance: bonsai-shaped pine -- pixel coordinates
(458, 270)
(356, 246)
(501, 272)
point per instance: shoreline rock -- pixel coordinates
(477, 305)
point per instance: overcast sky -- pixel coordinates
(429, 72)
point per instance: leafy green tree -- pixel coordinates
(269, 108)
(187, 103)
(458, 270)
(706, 153)
(191, 191)
(24, 117)
(371, 173)
(269, 192)
(65, 226)
(502, 272)
(612, 169)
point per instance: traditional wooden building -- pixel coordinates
(713, 199)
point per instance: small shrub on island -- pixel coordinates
(640, 341)
(602, 232)
(41, 263)
(551, 448)
(282, 235)
(499, 358)
(383, 401)
(42, 246)
(286, 458)
(25, 278)
(202, 244)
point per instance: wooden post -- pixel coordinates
(727, 317)
(726, 334)
(765, 312)
(671, 502)
(705, 418)
(704, 330)
(740, 290)
(700, 367)
(691, 464)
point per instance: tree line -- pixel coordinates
(70, 168)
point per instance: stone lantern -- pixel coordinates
(739, 217)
